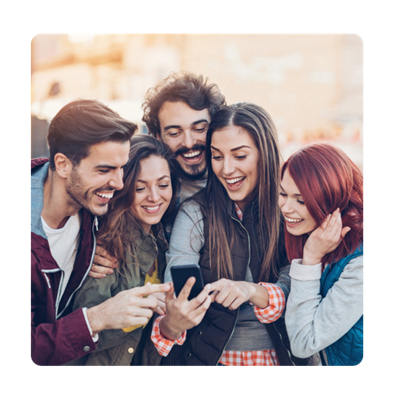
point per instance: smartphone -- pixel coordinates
(181, 273)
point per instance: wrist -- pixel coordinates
(95, 320)
(167, 330)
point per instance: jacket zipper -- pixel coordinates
(95, 225)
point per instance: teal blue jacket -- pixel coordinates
(348, 350)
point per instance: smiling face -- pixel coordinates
(184, 131)
(91, 183)
(153, 191)
(297, 218)
(234, 158)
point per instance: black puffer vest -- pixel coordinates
(206, 342)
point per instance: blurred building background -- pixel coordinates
(312, 85)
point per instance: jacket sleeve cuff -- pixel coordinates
(302, 272)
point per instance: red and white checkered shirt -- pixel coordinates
(235, 358)
(255, 358)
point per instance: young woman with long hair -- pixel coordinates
(233, 229)
(131, 232)
(321, 200)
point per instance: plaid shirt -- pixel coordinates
(235, 358)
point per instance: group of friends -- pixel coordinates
(279, 244)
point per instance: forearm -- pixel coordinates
(313, 322)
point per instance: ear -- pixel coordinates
(63, 165)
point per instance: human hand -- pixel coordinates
(103, 263)
(324, 239)
(232, 294)
(160, 297)
(181, 313)
(127, 308)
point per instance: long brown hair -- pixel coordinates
(327, 179)
(118, 227)
(259, 125)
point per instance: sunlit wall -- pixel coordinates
(310, 84)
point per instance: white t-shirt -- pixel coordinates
(64, 245)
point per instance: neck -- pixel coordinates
(56, 209)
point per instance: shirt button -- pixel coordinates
(86, 349)
(130, 350)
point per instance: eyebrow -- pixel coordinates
(235, 149)
(159, 179)
(100, 166)
(200, 121)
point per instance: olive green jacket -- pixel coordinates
(116, 347)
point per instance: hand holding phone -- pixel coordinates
(180, 275)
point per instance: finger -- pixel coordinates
(200, 299)
(344, 231)
(236, 303)
(105, 262)
(101, 251)
(325, 222)
(198, 314)
(96, 275)
(150, 288)
(184, 294)
(213, 295)
(217, 285)
(101, 270)
(169, 295)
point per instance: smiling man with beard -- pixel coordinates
(178, 112)
(89, 146)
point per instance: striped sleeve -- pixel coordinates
(276, 304)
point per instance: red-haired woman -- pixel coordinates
(321, 200)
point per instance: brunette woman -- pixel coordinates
(233, 230)
(321, 200)
(131, 231)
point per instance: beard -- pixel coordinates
(192, 172)
(81, 197)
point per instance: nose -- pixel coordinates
(228, 167)
(188, 140)
(285, 205)
(116, 181)
(153, 195)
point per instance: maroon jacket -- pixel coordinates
(58, 335)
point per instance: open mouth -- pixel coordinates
(235, 183)
(105, 196)
(152, 209)
(192, 156)
(293, 222)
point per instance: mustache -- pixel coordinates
(184, 150)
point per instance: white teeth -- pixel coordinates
(293, 220)
(230, 181)
(191, 154)
(151, 208)
(106, 195)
